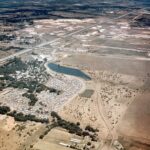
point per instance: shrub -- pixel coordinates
(91, 129)
(78, 123)
(4, 109)
(55, 115)
(85, 133)
(89, 143)
(32, 97)
(23, 118)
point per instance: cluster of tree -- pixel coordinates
(7, 77)
(7, 37)
(141, 21)
(20, 85)
(42, 87)
(12, 48)
(30, 85)
(24, 118)
(17, 64)
(32, 97)
(74, 128)
(33, 85)
(91, 129)
(48, 129)
(70, 126)
(13, 65)
(4, 109)
(2, 85)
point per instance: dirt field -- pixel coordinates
(58, 139)
(52, 140)
(136, 122)
(17, 136)
(123, 65)
(120, 92)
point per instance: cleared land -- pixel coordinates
(135, 123)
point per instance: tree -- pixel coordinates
(4, 109)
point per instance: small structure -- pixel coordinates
(64, 144)
(117, 145)
(75, 140)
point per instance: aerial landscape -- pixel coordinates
(74, 74)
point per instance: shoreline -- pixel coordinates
(83, 87)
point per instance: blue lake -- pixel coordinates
(68, 70)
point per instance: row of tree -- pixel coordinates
(5, 110)
(74, 128)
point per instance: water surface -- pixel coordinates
(68, 70)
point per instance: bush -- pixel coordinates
(70, 126)
(23, 118)
(32, 97)
(4, 109)
(91, 129)
(85, 133)
(89, 143)
(55, 115)
(15, 64)
(78, 123)
(49, 127)
(73, 128)
(41, 136)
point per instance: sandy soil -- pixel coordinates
(16, 136)
(120, 65)
(115, 89)
(53, 139)
(57, 136)
(136, 121)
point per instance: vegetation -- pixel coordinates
(48, 129)
(71, 127)
(32, 97)
(91, 129)
(12, 66)
(20, 116)
(42, 87)
(4, 37)
(12, 75)
(24, 118)
(74, 128)
(55, 115)
(4, 109)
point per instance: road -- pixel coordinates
(60, 38)
(102, 113)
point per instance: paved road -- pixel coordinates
(58, 39)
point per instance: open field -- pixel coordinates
(135, 123)
(17, 136)
(57, 137)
